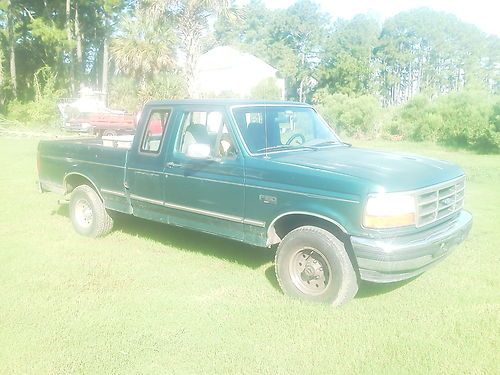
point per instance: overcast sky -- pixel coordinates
(483, 13)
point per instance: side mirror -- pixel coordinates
(198, 151)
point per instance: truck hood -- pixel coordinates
(392, 171)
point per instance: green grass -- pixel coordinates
(153, 299)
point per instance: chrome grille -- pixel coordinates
(440, 201)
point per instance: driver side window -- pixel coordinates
(206, 128)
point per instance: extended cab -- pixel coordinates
(268, 173)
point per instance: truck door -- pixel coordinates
(145, 164)
(204, 187)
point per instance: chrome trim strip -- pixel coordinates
(147, 200)
(142, 170)
(255, 223)
(304, 194)
(149, 174)
(217, 215)
(53, 157)
(114, 192)
(204, 179)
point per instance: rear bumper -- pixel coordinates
(400, 258)
(78, 128)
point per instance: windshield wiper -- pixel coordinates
(327, 143)
(285, 147)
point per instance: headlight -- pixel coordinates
(389, 211)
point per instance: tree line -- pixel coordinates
(140, 50)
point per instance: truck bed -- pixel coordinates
(101, 160)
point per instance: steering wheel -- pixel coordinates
(296, 136)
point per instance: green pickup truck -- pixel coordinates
(268, 173)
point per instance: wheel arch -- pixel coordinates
(74, 179)
(286, 222)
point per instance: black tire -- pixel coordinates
(88, 214)
(109, 133)
(312, 264)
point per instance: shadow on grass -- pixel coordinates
(367, 289)
(188, 240)
(206, 244)
(271, 277)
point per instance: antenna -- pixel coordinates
(265, 132)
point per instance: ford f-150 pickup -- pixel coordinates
(266, 174)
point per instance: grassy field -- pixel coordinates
(153, 299)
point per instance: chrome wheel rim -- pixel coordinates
(310, 271)
(84, 215)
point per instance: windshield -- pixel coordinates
(273, 128)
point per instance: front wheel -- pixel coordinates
(88, 214)
(312, 264)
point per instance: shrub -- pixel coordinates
(37, 113)
(354, 116)
(467, 119)
(42, 111)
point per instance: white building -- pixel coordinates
(225, 70)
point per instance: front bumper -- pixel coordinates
(395, 259)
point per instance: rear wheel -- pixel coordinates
(109, 133)
(88, 214)
(312, 264)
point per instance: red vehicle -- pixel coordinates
(89, 114)
(105, 123)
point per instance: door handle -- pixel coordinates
(171, 164)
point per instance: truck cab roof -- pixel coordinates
(222, 102)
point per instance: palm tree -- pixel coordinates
(192, 20)
(143, 47)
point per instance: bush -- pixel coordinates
(42, 111)
(38, 113)
(467, 119)
(354, 116)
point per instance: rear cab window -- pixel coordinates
(154, 131)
